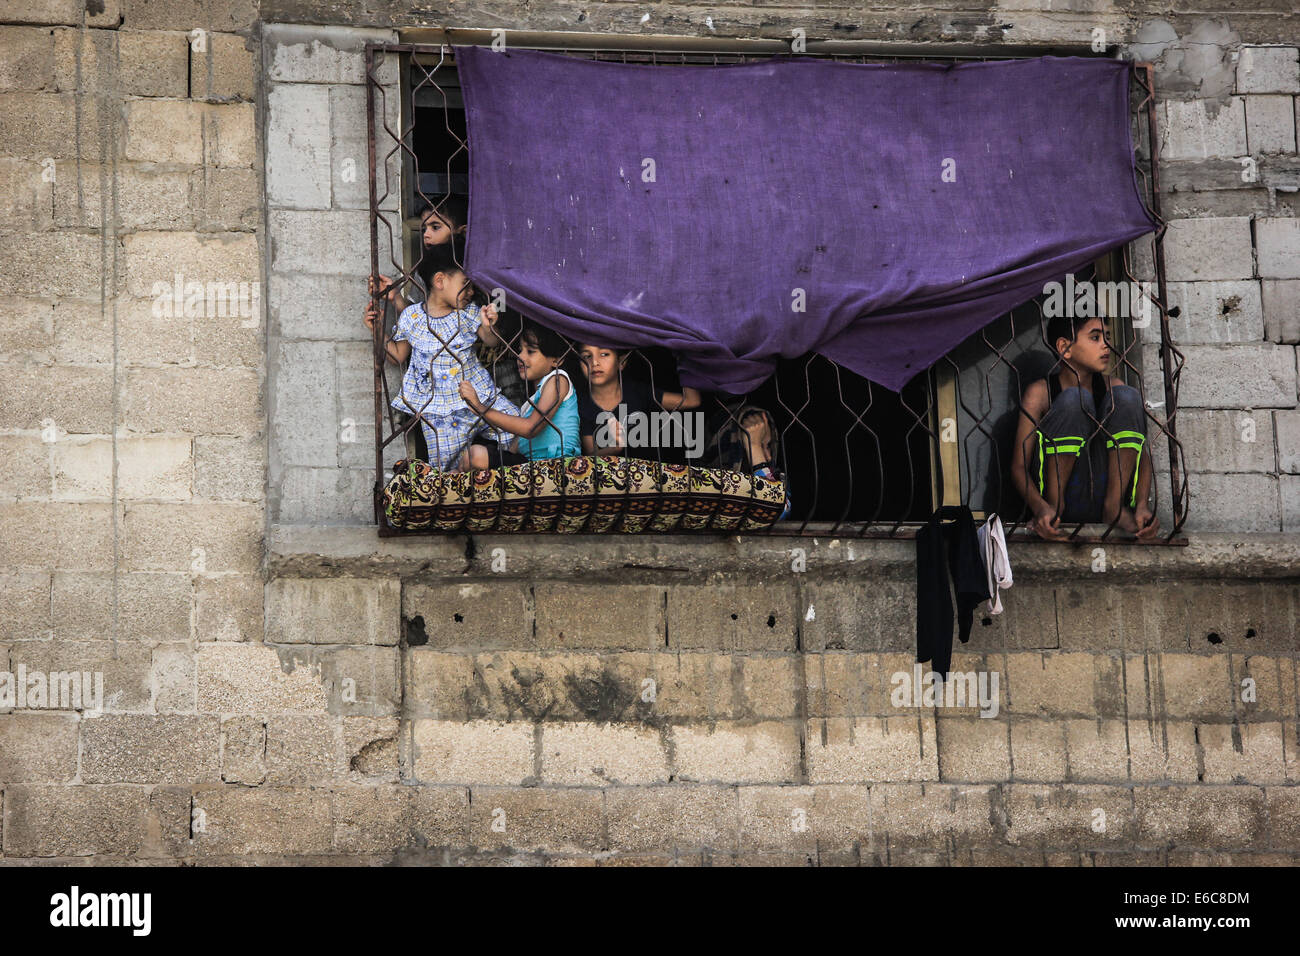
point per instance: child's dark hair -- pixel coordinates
(549, 343)
(454, 210)
(1065, 327)
(449, 257)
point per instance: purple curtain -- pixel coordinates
(876, 214)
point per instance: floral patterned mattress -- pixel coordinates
(582, 494)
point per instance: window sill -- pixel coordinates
(316, 550)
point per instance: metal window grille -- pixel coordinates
(859, 461)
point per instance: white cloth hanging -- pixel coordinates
(997, 566)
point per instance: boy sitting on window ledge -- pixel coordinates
(1080, 439)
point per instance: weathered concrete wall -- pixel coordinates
(280, 684)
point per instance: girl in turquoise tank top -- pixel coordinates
(549, 426)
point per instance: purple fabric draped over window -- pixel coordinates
(876, 214)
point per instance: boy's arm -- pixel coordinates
(679, 401)
(1033, 407)
(524, 426)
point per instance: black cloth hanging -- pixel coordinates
(944, 549)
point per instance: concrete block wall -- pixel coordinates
(321, 376)
(180, 511)
(1229, 162)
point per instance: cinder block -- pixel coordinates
(24, 467)
(350, 183)
(243, 750)
(297, 237)
(197, 537)
(871, 750)
(249, 679)
(354, 373)
(1197, 249)
(63, 264)
(38, 126)
(1161, 751)
(1212, 312)
(325, 54)
(74, 536)
(481, 752)
(229, 607)
(46, 821)
(676, 817)
(370, 747)
(1038, 750)
(1229, 441)
(303, 749)
(71, 12)
(469, 615)
(1061, 684)
(25, 325)
(1202, 817)
(320, 308)
(629, 616)
(361, 681)
(1068, 817)
(327, 495)
(196, 400)
(280, 821)
(230, 135)
(125, 669)
(1243, 753)
(1265, 686)
(26, 58)
(1290, 491)
(1196, 686)
(588, 754)
(973, 749)
(729, 752)
(732, 617)
(25, 606)
(145, 197)
(1240, 503)
(1270, 124)
(910, 816)
(306, 427)
(29, 209)
(1268, 69)
(333, 611)
(164, 131)
(1278, 242)
(395, 818)
(784, 819)
(149, 749)
(1283, 808)
(223, 70)
(1238, 376)
(766, 687)
(232, 469)
(1199, 129)
(173, 677)
(877, 618)
(225, 200)
(1097, 750)
(150, 607)
(1092, 616)
(155, 259)
(298, 172)
(553, 820)
(38, 748)
(152, 63)
(1281, 302)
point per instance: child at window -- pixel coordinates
(438, 337)
(438, 227)
(608, 388)
(1080, 439)
(550, 427)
